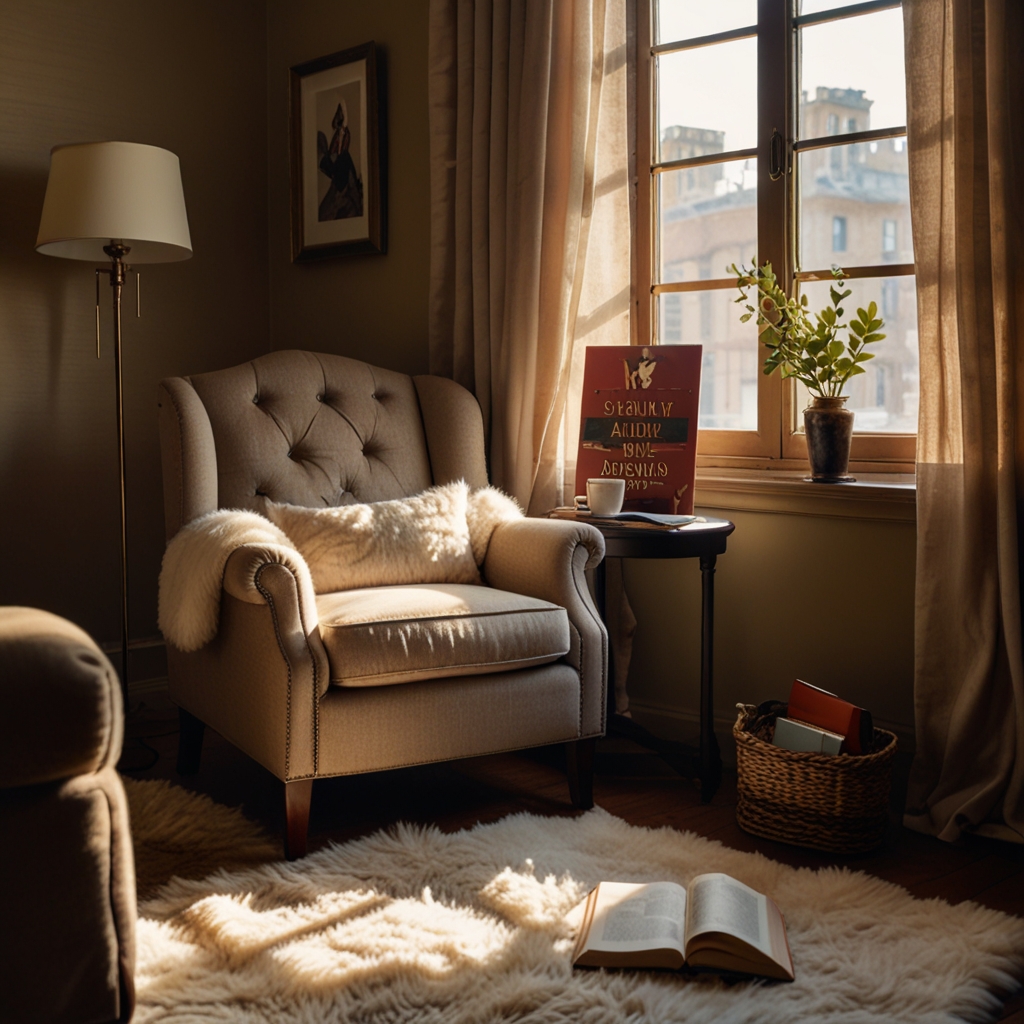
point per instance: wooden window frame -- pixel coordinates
(777, 442)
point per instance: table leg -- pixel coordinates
(710, 757)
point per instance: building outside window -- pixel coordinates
(839, 234)
(888, 236)
(749, 103)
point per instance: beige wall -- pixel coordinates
(826, 599)
(371, 307)
(189, 76)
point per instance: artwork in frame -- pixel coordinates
(338, 162)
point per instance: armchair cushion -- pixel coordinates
(384, 635)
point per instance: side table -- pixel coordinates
(704, 540)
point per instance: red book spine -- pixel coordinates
(818, 707)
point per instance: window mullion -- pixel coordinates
(774, 220)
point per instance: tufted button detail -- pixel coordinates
(255, 399)
(319, 398)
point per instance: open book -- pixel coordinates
(719, 923)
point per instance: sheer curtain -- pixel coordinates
(530, 232)
(965, 90)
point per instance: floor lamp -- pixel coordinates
(111, 200)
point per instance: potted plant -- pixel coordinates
(807, 346)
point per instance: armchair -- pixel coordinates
(67, 873)
(309, 684)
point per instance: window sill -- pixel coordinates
(890, 497)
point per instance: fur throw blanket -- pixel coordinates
(188, 605)
(439, 536)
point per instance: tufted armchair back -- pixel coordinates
(311, 429)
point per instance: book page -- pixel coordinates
(720, 903)
(637, 916)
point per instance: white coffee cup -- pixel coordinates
(605, 495)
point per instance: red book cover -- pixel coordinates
(827, 711)
(638, 422)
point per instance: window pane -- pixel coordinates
(728, 388)
(711, 90)
(688, 19)
(884, 397)
(707, 218)
(852, 75)
(855, 205)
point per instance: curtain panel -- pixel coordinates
(530, 232)
(965, 89)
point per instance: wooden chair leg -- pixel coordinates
(579, 764)
(190, 742)
(297, 798)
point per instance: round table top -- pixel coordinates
(705, 536)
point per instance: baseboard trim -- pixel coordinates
(141, 687)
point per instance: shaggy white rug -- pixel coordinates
(417, 925)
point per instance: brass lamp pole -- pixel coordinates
(118, 273)
(111, 199)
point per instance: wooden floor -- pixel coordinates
(633, 784)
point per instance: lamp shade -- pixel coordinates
(99, 192)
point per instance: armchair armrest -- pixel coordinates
(277, 576)
(547, 559)
(61, 699)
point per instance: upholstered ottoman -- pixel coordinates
(67, 876)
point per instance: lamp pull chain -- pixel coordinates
(98, 272)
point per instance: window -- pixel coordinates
(839, 234)
(888, 237)
(776, 131)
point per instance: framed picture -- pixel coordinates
(338, 163)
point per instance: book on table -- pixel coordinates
(718, 924)
(645, 520)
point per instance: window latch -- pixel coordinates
(776, 155)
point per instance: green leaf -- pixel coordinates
(873, 337)
(835, 349)
(863, 357)
(745, 317)
(872, 310)
(855, 371)
(842, 365)
(858, 328)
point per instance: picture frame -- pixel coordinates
(338, 160)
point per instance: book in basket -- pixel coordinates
(718, 924)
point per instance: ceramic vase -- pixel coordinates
(829, 429)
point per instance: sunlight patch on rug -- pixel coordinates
(413, 924)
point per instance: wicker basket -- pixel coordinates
(837, 803)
